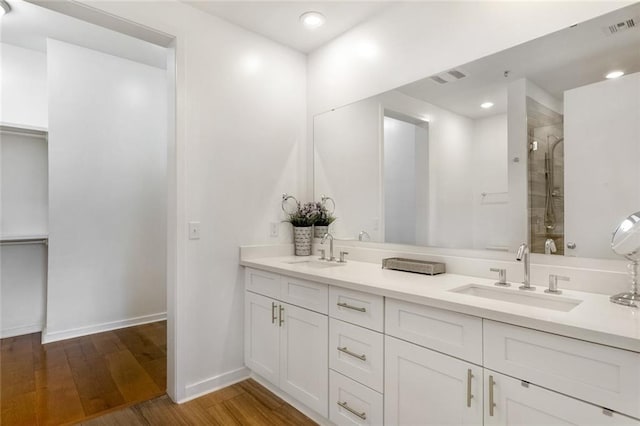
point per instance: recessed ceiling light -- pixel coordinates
(486, 105)
(312, 20)
(4, 7)
(615, 74)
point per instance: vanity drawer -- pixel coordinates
(448, 332)
(363, 309)
(598, 374)
(364, 405)
(306, 294)
(357, 353)
(261, 282)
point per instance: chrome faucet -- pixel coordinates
(523, 253)
(324, 238)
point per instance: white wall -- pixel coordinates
(347, 167)
(23, 86)
(450, 189)
(23, 185)
(107, 191)
(490, 176)
(517, 153)
(241, 102)
(23, 277)
(602, 155)
(399, 170)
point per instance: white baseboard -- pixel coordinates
(19, 331)
(312, 414)
(54, 336)
(215, 383)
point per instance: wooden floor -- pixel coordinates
(245, 403)
(68, 381)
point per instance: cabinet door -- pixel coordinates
(423, 387)
(304, 365)
(262, 336)
(520, 403)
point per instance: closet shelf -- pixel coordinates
(24, 129)
(24, 239)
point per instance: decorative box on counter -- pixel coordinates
(412, 265)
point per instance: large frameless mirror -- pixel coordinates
(537, 143)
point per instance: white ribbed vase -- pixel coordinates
(320, 230)
(302, 240)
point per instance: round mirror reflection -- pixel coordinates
(626, 238)
(626, 242)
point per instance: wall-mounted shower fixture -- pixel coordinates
(550, 193)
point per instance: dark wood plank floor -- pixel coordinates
(245, 403)
(75, 379)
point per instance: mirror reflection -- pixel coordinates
(537, 143)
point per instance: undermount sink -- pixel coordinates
(313, 263)
(545, 301)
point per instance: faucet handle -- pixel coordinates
(322, 254)
(502, 277)
(553, 283)
(342, 255)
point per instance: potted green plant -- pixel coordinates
(302, 220)
(323, 219)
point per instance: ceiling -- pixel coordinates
(564, 60)
(29, 26)
(280, 21)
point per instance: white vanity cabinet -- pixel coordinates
(356, 357)
(424, 387)
(514, 402)
(284, 343)
(436, 374)
(424, 383)
(602, 375)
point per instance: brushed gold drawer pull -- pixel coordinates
(344, 405)
(362, 357)
(355, 308)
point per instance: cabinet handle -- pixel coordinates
(469, 395)
(344, 405)
(274, 316)
(281, 316)
(355, 308)
(491, 403)
(362, 357)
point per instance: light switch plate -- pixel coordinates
(194, 230)
(274, 228)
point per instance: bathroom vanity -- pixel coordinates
(361, 345)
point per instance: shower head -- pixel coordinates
(553, 145)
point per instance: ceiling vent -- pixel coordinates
(449, 76)
(619, 27)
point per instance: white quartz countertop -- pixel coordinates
(596, 319)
